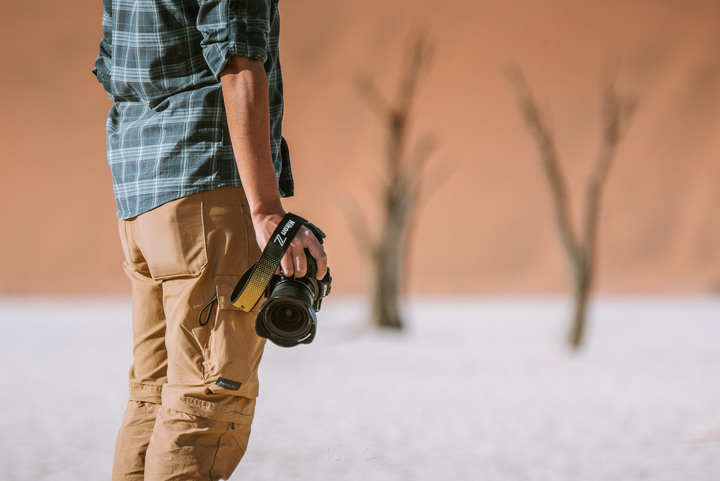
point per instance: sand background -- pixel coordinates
(489, 393)
(485, 225)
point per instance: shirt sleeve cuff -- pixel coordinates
(243, 32)
(218, 55)
(103, 75)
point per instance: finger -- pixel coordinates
(318, 252)
(300, 260)
(286, 264)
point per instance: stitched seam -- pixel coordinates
(217, 450)
(198, 402)
(204, 232)
(245, 227)
(146, 387)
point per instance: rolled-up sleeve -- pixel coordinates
(233, 27)
(103, 63)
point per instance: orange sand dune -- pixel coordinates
(485, 225)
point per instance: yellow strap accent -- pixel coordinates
(253, 283)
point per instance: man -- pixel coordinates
(197, 113)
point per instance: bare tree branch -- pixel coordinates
(421, 53)
(372, 96)
(545, 143)
(360, 228)
(617, 113)
(580, 251)
(421, 152)
(412, 169)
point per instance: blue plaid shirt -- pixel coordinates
(167, 133)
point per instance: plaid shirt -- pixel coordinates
(167, 133)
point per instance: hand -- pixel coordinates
(294, 262)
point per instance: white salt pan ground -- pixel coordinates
(477, 389)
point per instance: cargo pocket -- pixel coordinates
(233, 350)
(172, 239)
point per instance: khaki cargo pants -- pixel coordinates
(192, 386)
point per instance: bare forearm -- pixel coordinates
(245, 90)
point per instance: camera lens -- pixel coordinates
(286, 317)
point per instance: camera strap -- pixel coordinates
(251, 286)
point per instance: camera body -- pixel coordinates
(287, 317)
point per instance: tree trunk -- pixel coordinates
(581, 290)
(388, 269)
(386, 291)
(385, 303)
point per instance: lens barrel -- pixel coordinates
(287, 318)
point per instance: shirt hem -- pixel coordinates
(164, 199)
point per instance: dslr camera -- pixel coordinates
(287, 317)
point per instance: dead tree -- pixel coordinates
(399, 191)
(580, 248)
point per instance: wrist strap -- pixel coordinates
(253, 283)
